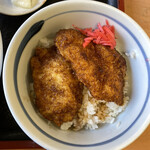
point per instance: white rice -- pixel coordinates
(46, 42)
(93, 112)
(131, 54)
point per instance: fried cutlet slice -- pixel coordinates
(58, 91)
(99, 68)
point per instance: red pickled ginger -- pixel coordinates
(104, 35)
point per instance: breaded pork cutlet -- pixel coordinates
(58, 91)
(99, 68)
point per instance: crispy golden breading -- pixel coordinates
(58, 91)
(99, 68)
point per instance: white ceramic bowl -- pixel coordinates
(16, 77)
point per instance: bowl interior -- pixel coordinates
(126, 42)
(49, 29)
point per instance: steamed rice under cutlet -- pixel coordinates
(93, 112)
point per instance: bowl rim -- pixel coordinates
(27, 21)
